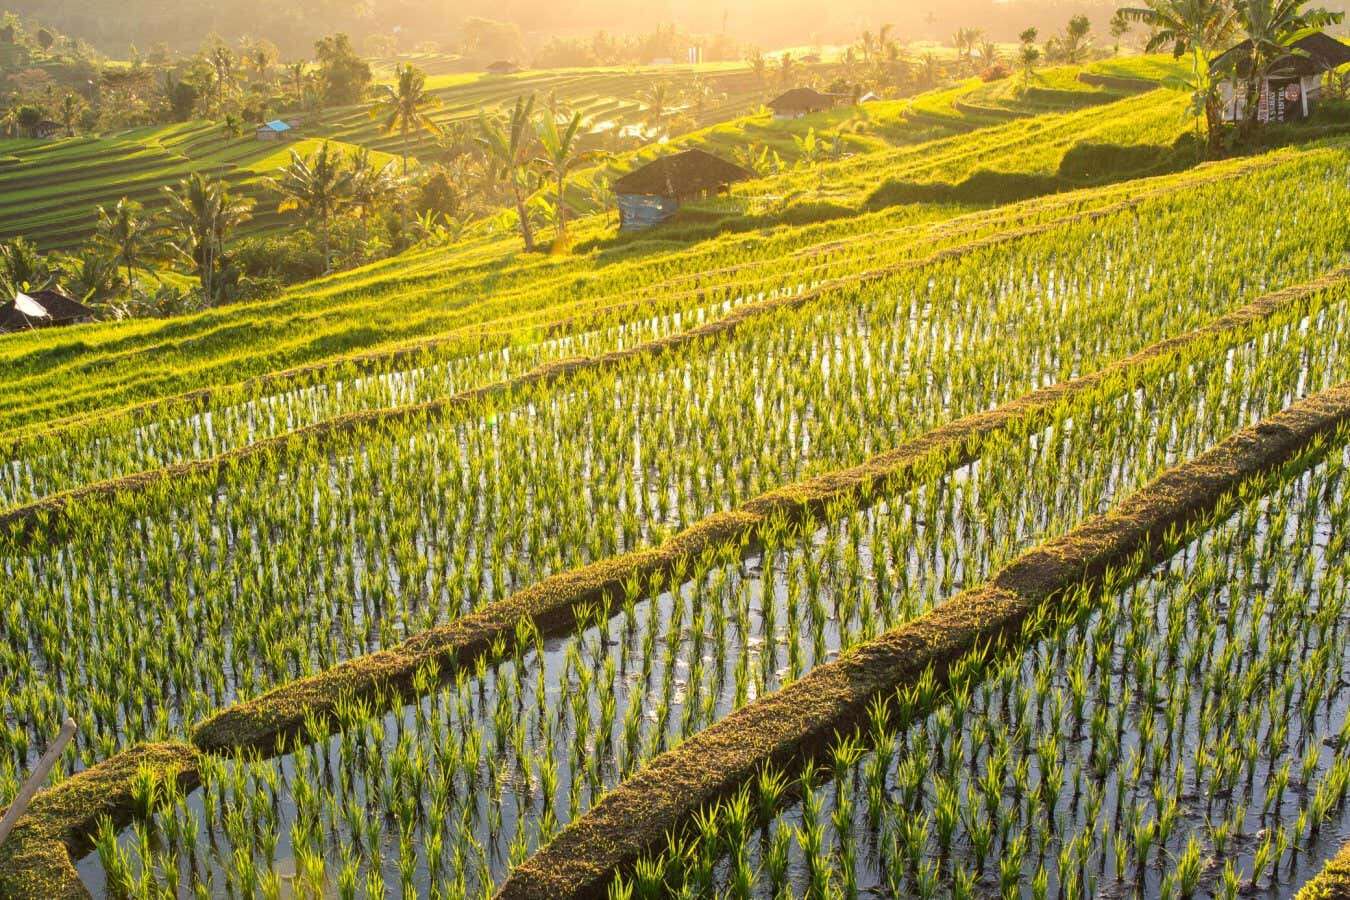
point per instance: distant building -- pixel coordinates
(41, 309)
(1293, 86)
(47, 129)
(800, 102)
(811, 59)
(275, 130)
(652, 194)
(503, 67)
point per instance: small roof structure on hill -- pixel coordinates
(685, 174)
(1317, 53)
(40, 309)
(503, 67)
(801, 100)
(276, 125)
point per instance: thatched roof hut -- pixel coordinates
(503, 67)
(799, 102)
(1293, 86)
(652, 193)
(41, 309)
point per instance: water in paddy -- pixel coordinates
(1206, 702)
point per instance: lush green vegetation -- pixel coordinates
(201, 510)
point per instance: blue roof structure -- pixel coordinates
(276, 125)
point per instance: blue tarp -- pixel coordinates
(644, 210)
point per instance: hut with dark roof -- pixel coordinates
(800, 102)
(41, 309)
(503, 67)
(1292, 87)
(653, 193)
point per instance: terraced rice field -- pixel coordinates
(51, 190)
(939, 549)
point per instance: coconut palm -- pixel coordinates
(71, 106)
(22, 268)
(317, 188)
(1272, 27)
(560, 156)
(126, 236)
(508, 145)
(403, 107)
(1189, 27)
(199, 216)
(371, 184)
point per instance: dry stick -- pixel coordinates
(553, 604)
(36, 778)
(105, 787)
(799, 721)
(51, 509)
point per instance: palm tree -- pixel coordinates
(316, 188)
(127, 236)
(295, 72)
(371, 184)
(199, 216)
(70, 111)
(1272, 26)
(508, 145)
(560, 156)
(222, 60)
(1194, 27)
(656, 98)
(1029, 54)
(404, 108)
(22, 267)
(232, 126)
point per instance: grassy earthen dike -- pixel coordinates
(799, 722)
(36, 859)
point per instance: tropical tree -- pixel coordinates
(655, 97)
(508, 146)
(1271, 27)
(559, 157)
(27, 118)
(1119, 27)
(127, 237)
(1029, 54)
(371, 185)
(317, 188)
(89, 276)
(199, 216)
(71, 106)
(403, 107)
(22, 268)
(231, 127)
(1194, 28)
(759, 67)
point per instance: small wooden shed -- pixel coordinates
(653, 193)
(41, 309)
(800, 102)
(275, 130)
(503, 67)
(1293, 87)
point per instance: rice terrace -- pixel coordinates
(710, 450)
